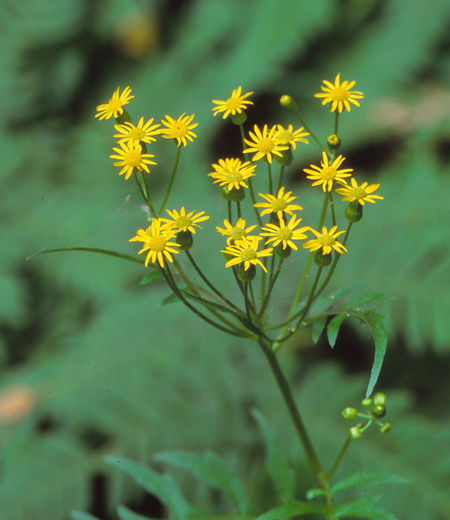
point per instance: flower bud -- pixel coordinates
(286, 157)
(322, 260)
(239, 119)
(334, 143)
(123, 118)
(234, 195)
(367, 403)
(354, 211)
(282, 253)
(288, 103)
(380, 398)
(354, 433)
(350, 414)
(379, 411)
(386, 428)
(246, 275)
(185, 239)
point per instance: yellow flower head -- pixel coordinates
(232, 173)
(182, 222)
(284, 233)
(130, 157)
(265, 144)
(131, 134)
(245, 251)
(156, 240)
(179, 129)
(278, 204)
(114, 105)
(325, 240)
(288, 136)
(360, 193)
(339, 95)
(235, 104)
(327, 173)
(238, 232)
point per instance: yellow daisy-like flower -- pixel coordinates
(238, 232)
(182, 222)
(232, 173)
(114, 105)
(130, 157)
(278, 204)
(339, 94)
(133, 134)
(327, 173)
(156, 240)
(284, 233)
(325, 240)
(245, 251)
(179, 129)
(360, 193)
(288, 136)
(265, 144)
(235, 104)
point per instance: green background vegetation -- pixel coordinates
(114, 371)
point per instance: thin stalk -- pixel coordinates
(144, 193)
(172, 178)
(338, 460)
(280, 178)
(269, 171)
(306, 127)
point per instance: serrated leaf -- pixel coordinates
(294, 508)
(333, 328)
(363, 508)
(315, 492)
(125, 514)
(367, 479)
(318, 326)
(151, 277)
(163, 486)
(211, 469)
(80, 515)
(283, 477)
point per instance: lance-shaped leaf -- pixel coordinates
(291, 509)
(367, 479)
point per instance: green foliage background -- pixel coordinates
(112, 370)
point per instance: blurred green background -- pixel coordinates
(91, 363)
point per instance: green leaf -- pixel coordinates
(163, 486)
(333, 328)
(151, 277)
(291, 509)
(367, 479)
(93, 250)
(315, 492)
(125, 514)
(318, 326)
(282, 475)
(375, 323)
(80, 515)
(363, 508)
(212, 470)
(172, 298)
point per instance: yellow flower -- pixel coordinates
(179, 129)
(156, 240)
(278, 204)
(265, 144)
(284, 233)
(182, 222)
(339, 95)
(360, 193)
(288, 136)
(232, 173)
(238, 232)
(327, 173)
(133, 134)
(235, 104)
(114, 105)
(131, 157)
(246, 251)
(326, 240)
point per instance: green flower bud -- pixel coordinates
(282, 253)
(123, 118)
(246, 275)
(386, 428)
(322, 260)
(354, 211)
(367, 403)
(379, 411)
(228, 257)
(286, 157)
(234, 195)
(239, 119)
(350, 414)
(354, 433)
(334, 143)
(185, 239)
(380, 398)
(288, 103)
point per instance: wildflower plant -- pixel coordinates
(257, 239)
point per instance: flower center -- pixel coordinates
(284, 136)
(278, 205)
(115, 104)
(136, 133)
(237, 233)
(248, 254)
(183, 222)
(340, 94)
(284, 233)
(358, 193)
(133, 158)
(157, 243)
(326, 240)
(234, 176)
(233, 103)
(179, 129)
(328, 173)
(265, 145)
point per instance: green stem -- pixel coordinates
(336, 122)
(269, 170)
(172, 178)
(333, 215)
(338, 460)
(306, 127)
(280, 179)
(144, 192)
